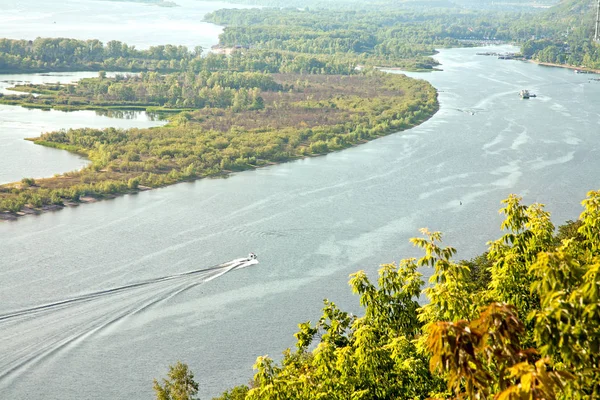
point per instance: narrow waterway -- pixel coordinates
(311, 222)
(20, 158)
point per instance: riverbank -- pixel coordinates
(30, 210)
(584, 69)
(330, 113)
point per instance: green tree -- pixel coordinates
(180, 384)
(540, 341)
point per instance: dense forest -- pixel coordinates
(373, 37)
(521, 321)
(501, 5)
(61, 54)
(152, 92)
(571, 41)
(559, 34)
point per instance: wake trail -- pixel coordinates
(69, 337)
(221, 268)
(60, 337)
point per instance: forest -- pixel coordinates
(521, 321)
(152, 92)
(561, 34)
(571, 41)
(372, 37)
(62, 54)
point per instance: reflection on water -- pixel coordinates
(132, 115)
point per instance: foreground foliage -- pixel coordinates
(532, 333)
(179, 386)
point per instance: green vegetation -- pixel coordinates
(309, 115)
(570, 41)
(152, 91)
(179, 386)
(60, 54)
(530, 331)
(43, 55)
(507, 5)
(402, 38)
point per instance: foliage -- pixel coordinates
(371, 357)
(179, 386)
(374, 37)
(237, 393)
(484, 357)
(570, 41)
(240, 90)
(532, 333)
(61, 54)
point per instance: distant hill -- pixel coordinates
(350, 4)
(517, 5)
(570, 17)
(572, 11)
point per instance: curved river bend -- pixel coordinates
(311, 222)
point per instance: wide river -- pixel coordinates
(75, 323)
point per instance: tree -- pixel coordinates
(179, 386)
(532, 333)
(484, 357)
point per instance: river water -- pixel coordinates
(142, 25)
(75, 324)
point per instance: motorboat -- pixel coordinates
(526, 94)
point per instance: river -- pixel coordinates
(311, 222)
(142, 25)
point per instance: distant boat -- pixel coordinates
(526, 94)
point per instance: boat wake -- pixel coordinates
(36, 334)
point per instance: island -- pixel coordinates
(219, 122)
